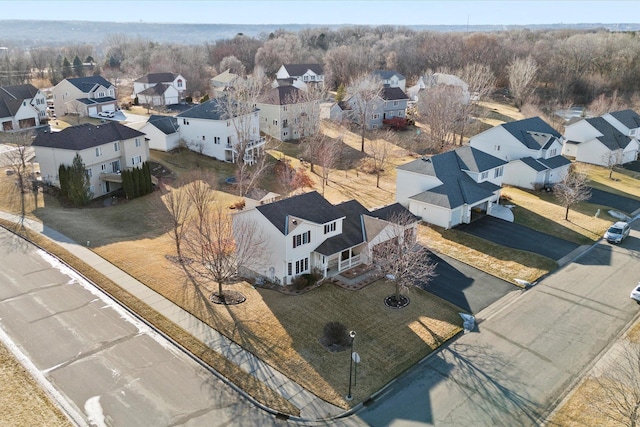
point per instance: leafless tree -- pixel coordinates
(379, 151)
(612, 159)
(572, 189)
(522, 75)
(327, 156)
(75, 108)
(176, 200)
(400, 258)
(233, 64)
(365, 94)
(480, 79)
(17, 158)
(238, 106)
(218, 246)
(620, 386)
(442, 110)
(291, 179)
(606, 104)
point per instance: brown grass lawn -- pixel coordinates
(22, 401)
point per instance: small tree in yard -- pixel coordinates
(17, 158)
(380, 150)
(401, 259)
(365, 91)
(76, 185)
(572, 189)
(612, 159)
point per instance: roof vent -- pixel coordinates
(425, 159)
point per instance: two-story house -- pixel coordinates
(105, 150)
(305, 73)
(391, 79)
(158, 89)
(611, 139)
(306, 232)
(223, 82)
(533, 149)
(21, 107)
(85, 96)
(390, 103)
(448, 188)
(286, 113)
(206, 129)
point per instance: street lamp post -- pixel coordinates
(352, 334)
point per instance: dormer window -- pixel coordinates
(179, 82)
(484, 175)
(498, 172)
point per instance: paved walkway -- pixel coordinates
(311, 407)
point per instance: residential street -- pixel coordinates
(525, 356)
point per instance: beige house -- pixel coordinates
(86, 96)
(286, 114)
(105, 149)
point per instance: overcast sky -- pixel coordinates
(360, 12)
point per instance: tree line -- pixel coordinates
(574, 65)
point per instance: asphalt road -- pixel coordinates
(107, 367)
(624, 204)
(467, 287)
(518, 236)
(526, 355)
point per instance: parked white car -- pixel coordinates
(617, 232)
(109, 114)
(635, 293)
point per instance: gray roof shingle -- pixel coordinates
(297, 70)
(157, 78)
(611, 137)
(352, 229)
(392, 94)
(210, 110)
(281, 95)
(87, 84)
(85, 136)
(166, 124)
(386, 75)
(11, 98)
(629, 118)
(533, 133)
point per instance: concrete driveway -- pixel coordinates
(519, 237)
(464, 286)
(624, 204)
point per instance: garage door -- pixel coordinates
(93, 111)
(109, 107)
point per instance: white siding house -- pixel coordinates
(163, 132)
(21, 107)
(305, 73)
(105, 150)
(160, 89)
(86, 96)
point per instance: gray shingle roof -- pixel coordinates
(392, 94)
(85, 136)
(457, 187)
(555, 162)
(533, 133)
(281, 95)
(94, 101)
(157, 78)
(158, 89)
(87, 84)
(391, 212)
(296, 70)
(308, 206)
(533, 164)
(352, 229)
(386, 75)
(611, 137)
(166, 124)
(207, 110)
(474, 160)
(629, 118)
(11, 98)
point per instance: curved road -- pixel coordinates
(105, 366)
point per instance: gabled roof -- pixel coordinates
(391, 212)
(85, 136)
(534, 133)
(352, 229)
(611, 137)
(89, 83)
(629, 118)
(555, 162)
(474, 160)
(157, 78)
(225, 77)
(386, 75)
(210, 110)
(392, 94)
(533, 164)
(95, 101)
(165, 124)
(281, 95)
(158, 90)
(296, 70)
(11, 98)
(308, 206)
(457, 187)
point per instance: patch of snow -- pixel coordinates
(619, 215)
(93, 409)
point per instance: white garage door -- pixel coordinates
(109, 107)
(93, 111)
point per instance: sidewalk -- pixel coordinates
(311, 407)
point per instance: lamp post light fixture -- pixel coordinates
(352, 335)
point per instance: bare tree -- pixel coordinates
(442, 110)
(177, 202)
(606, 104)
(238, 107)
(18, 161)
(572, 189)
(401, 259)
(522, 74)
(612, 159)
(233, 64)
(380, 150)
(620, 386)
(365, 94)
(328, 155)
(480, 79)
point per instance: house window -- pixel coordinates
(375, 116)
(328, 228)
(289, 269)
(396, 103)
(553, 152)
(203, 137)
(185, 122)
(138, 143)
(98, 151)
(136, 160)
(179, 82)
(103, 167)
(228, 123)
(116, 146)
(301, 239)
(302, 265)
(484, 175)
(285, 133)
(284, 108)
(89, 173)
(216, 140)
(313, 78)
(496, 147)
(285, 123)
(305, 78)
(275, 123)
(228, 141)
(498, 172)
(400, 113)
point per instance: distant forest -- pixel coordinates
(573, 66)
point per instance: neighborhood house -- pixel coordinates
(21, 107)
(158, 89)
(84, 96)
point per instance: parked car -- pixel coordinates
(635, 293)
(617, 232)
(109, 114)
